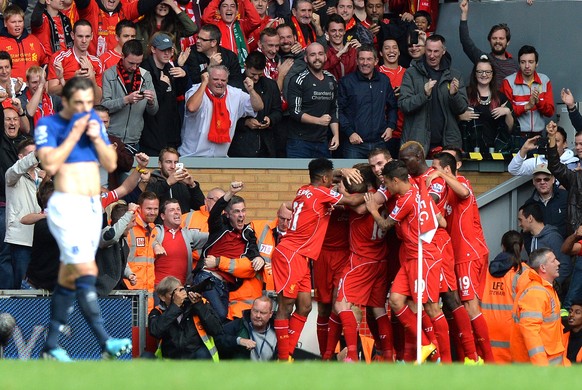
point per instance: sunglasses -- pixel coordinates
(542, 179)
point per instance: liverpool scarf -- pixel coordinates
(241, 44)
(132, 83)
(219, 131)
(300, 36)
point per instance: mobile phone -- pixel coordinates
(140, 93)
(179, 166)
(264, 122)
(413, 38)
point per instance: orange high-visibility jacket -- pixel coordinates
(536, 335)
(141, 257)
(497, 308)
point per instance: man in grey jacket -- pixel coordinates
(128, 92)
(432, 94)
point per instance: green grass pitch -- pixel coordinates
(192, 375)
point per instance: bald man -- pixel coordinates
(312, 97)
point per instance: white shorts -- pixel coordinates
(75, 222)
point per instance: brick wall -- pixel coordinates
(266, 189)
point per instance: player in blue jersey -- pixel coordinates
(71, 145)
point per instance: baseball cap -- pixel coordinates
(162, 42)
(542, 168)
(7, 104)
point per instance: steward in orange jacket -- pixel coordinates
(141, 256)
(501, 284)
(536, 335)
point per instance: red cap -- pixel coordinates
(7, 104)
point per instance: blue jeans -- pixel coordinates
(575, 291)
(297, 148)
(360, 151)
(6, 274)
(218, 296)
(20, 260)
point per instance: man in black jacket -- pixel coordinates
(208, 52)
(173, 181)
(252, 336)
(184, 323)
(231, 246)
(255, 137)
(163, 129)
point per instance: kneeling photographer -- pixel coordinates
(185, 324)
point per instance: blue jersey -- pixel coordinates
(53, 130)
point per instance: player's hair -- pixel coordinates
(166, 203)
(458, 153)
(319, 167)
(527, 49)
(133, 47)
(335, 18)
(413, 146)
(117, 212)
(168, 149)
(12, 10)
(32, 71)
(147, 195)
(447, 160)
(76, 84)
(213, 32)
(395, 169)
(512, 243)
(497, 27)
(268, 32)
(124, 23)
(4, 55)
(367, 48)
(538, 258)
(423, 14)
(377, 151)
(297, 2)
(101, 108)
(81, 23)
(45, 190)
(367, 173)
(23, 144)
(256, 60)
(234, 200)
(534, 210)
(167, 285)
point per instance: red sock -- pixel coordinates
(441, 331)
(385, 337)
(296, 324)
(322, 330)
(465, 332)
(455, 340)
(408, 320)
(282, 332)
(398, 337)
(350, 327)
(481, 333)
(409, 347)
(333, 336)
(428, 328)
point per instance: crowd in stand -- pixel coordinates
(304, 80)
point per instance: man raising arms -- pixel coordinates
(71, 145)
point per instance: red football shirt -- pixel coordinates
(71, 64)
(337, 235)
(110, 58)
(366, 237)
(175, 261)
(460, 216)
(311, 212)
(405, 213)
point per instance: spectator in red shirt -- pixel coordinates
(124, 31)
(51, 26)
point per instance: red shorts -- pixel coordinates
(406, 279)
(364, 282)
(448, 280)
(291, 273)
(483, 275)
(468, 274)
(327, 271)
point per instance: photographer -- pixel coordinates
(520, 165)
(184, 323)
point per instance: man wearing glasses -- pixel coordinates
(208, 51)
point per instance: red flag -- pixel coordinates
(427, 220)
